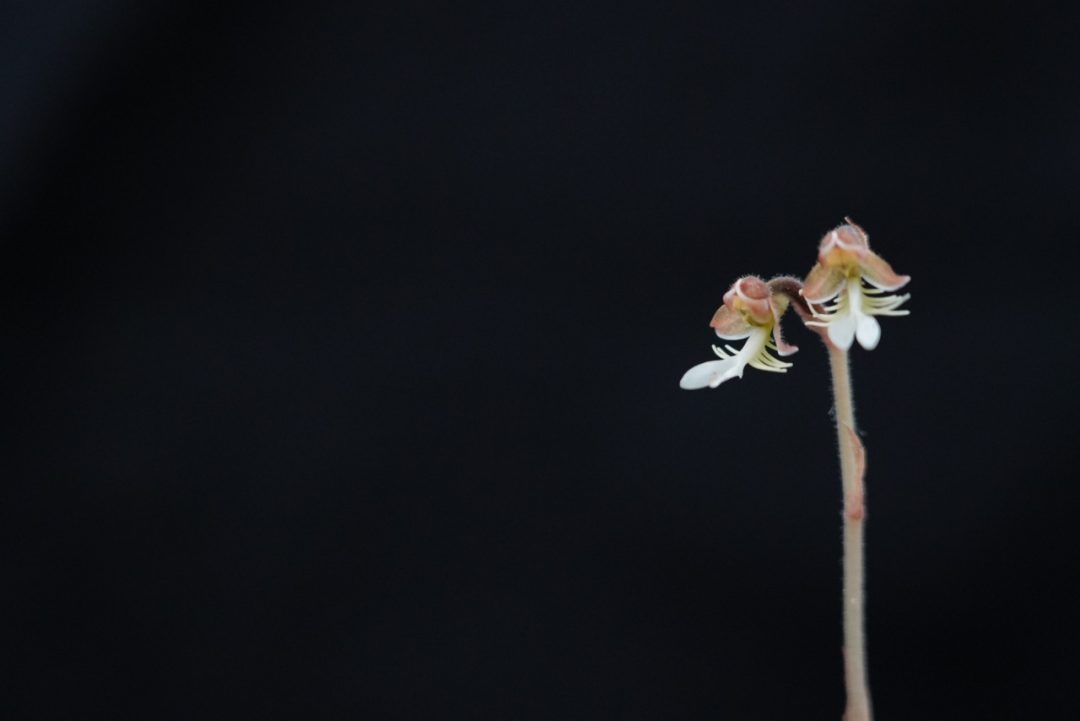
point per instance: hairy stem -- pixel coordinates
(852, 466)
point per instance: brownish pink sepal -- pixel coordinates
(782, 347)
(879, 273)
(855, 227)
(752, 296)
(843, 240)
(729, 324)
(855, 506)
(822, 283)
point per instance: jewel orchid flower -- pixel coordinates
(751, 310)
(845, 261)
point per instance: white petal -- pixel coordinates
(710, 373)
(842, 330)
(868, 332)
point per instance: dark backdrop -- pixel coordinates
(341, 349)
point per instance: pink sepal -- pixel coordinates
(879, 273)
(822, 283)
(729, 325)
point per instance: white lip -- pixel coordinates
(851, 317)
(732, 363)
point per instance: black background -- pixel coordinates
(341, 349)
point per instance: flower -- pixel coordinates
(845, 261)
(751, 310)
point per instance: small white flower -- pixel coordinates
(752, 311)
(849, 282)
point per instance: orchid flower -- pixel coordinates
(844, 262)
(751, 310)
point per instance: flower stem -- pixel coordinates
(851, 468)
